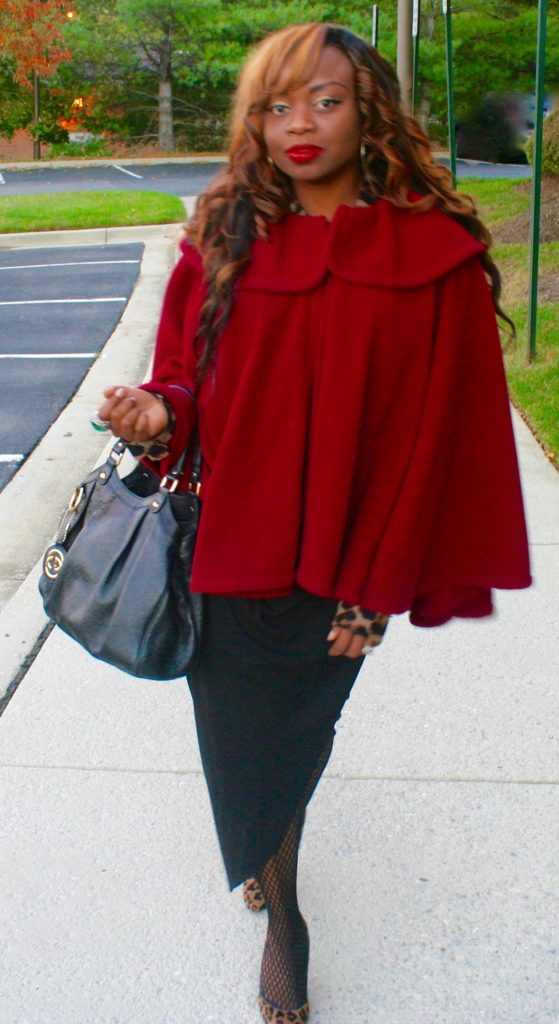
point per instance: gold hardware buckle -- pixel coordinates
(196, 488)
(75, 499)
(53, 562)
(172, 488)
(117, 459)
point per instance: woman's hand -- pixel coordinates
(136, 416)
(355, 630)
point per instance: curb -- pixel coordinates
(215, 158)
(148, 161)
(31, 503)
(97, 236)
(89, 236)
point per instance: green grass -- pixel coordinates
(58, 211)
(534, 387)
(497, 199)
(517, 255)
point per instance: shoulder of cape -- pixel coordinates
(191, 256)
(382, 245)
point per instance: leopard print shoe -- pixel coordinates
(274, 1015)
(253, 896)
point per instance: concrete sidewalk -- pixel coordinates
(429, 861)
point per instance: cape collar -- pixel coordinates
(381, 245)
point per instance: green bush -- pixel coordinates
(46, 129)
(550, 151)
(202, 134)
(95, 147)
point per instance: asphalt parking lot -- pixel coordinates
(172, 179)
(178, 179)
(58, 307)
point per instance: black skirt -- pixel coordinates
(266, 699)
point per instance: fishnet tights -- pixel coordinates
(283, 976)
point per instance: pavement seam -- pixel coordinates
(25, 666)
(333, 776)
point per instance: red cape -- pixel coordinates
(356, 434)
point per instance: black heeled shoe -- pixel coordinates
(275, 1015)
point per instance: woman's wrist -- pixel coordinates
(362, 622)
(156, 448)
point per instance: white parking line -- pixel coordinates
(11, 458)
(78, 263)
(124, 171)
(48, 355)
(77, 245)
(52, 302)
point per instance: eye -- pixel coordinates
(329, 101)
(277, 108)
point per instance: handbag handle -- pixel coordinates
(175, 473)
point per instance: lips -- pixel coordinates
(303, 154)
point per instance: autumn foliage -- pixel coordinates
(31, 36)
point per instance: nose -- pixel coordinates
(300, 120)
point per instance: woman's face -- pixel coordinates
(313, 132)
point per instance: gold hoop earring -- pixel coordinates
(363, 151)
(270, 161)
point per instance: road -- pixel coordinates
(173, 179)
(58, 307)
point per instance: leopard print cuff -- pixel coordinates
(361, 621)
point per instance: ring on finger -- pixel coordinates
(367, 649)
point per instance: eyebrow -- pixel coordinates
(322, 85)
(312, 88)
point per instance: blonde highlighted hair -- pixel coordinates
(251, 192)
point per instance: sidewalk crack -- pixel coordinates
(25, 666)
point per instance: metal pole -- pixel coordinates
(415, 29)
(374, 25)
(36, 113)
(404, 54)
(537, 183)
(447, 11)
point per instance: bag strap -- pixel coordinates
(175, 473)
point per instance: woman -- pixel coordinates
(334, 310)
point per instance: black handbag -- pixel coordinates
(117, 577)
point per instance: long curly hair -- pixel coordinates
(250, 192)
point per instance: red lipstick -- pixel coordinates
(303, 154)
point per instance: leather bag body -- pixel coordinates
(117, 576)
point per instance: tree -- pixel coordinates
(166, 69)
(31, 36)
(142, 41)
(161, 31)
(494, 51)
(191, 53)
